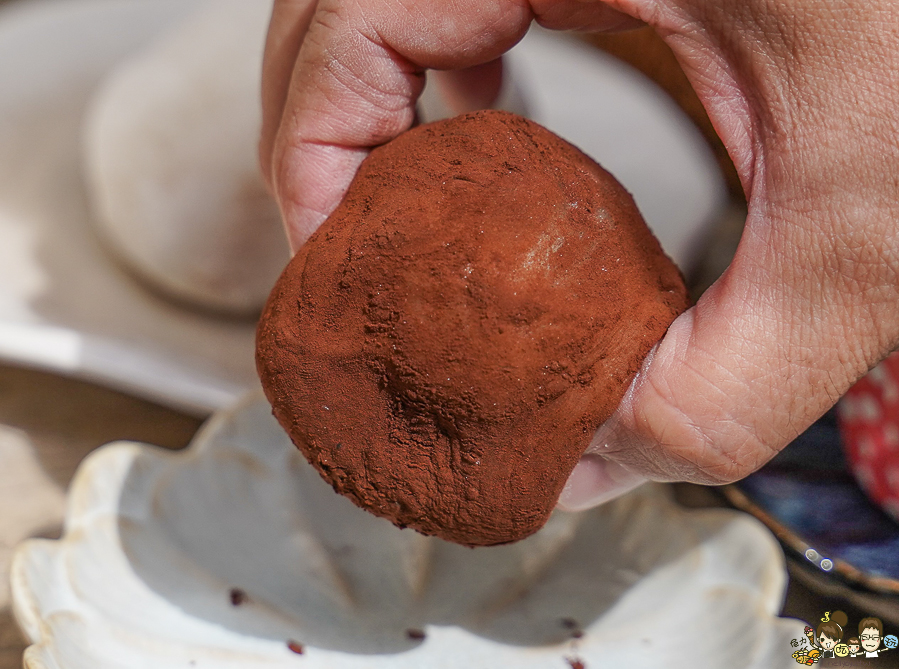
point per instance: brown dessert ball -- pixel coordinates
(443, 348)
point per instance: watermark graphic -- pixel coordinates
(833, 637)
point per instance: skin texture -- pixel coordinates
(804, 95)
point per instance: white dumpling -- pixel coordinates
(170, 158)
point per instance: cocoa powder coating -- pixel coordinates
(444, 346)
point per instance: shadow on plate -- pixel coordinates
(242, 532)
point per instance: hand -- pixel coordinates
(803, 93)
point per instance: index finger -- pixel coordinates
(354, 82)
(288, 25)
(357, 77)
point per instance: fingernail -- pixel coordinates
(594, 481)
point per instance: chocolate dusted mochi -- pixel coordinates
(444, 346)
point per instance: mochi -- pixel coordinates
(171, 164)
(444, 346)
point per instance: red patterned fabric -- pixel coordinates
(869, 424)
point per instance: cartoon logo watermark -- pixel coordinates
(834, 638)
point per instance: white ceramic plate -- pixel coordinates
(155, 542)
(65, 306)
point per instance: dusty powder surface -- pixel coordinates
(445, 345)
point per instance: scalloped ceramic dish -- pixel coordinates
(224, 554)
(67, 307)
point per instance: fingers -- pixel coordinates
(471, 88)
(597, 480)
(764, 353)
(811, 300)
(289, 22)
(348, 74)
(731, 384)
(589, 16)
(355, 83)
(734, 381)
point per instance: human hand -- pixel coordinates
(802, 92)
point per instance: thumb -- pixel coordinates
(811, 299)
(763, 354)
